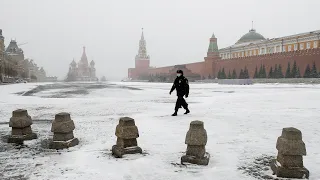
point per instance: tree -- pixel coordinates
(241, 75)
(246, 73)
(314, 73)
(270, 75)
(288, 72)
(294, 70)
(229, 75)
(255, 73)
(307, 72)
(280, 74)
(260, 72)
(219, 74)
(276, 72)
(234, 74)
(264, 73)
(223, 74)
(298, 73)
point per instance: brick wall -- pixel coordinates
(302, 58)
(196, 67)
(212, 65)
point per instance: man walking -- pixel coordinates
(182, 86)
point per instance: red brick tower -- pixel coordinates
(212, 57)
(142, 61)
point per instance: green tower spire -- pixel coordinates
(213, 46)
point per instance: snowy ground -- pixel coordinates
(242, 122)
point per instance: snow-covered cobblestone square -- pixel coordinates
(242, 122)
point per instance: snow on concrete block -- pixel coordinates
(289, 172)
(126, 129)
(62, 123)
(290, 142)
(63, 127)
(196, 134)
(126, 142)
(290, 161)
(21, 127)
(291, 148)
(197, 151)
(291, 133)
(20, 119)
(196, 139)
(195, 160)
(62, 136)
(127, 134)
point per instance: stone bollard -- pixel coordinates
(127, 134)
(291, 148)
(63, 127)
(21, 127)
(196, 140)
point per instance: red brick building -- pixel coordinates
(251, 51)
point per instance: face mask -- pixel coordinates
(178, 75)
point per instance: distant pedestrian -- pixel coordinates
(181, 85)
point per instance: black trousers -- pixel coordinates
(181, 102)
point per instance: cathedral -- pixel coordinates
(82, 71)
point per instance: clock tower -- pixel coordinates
(142, 60)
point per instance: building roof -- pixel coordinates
(252, 35)
(213, 46)
(84, 59)
(73, 63)
(92, 63)
(13, 47)
(261, 41)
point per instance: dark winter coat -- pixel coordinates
(181, 84)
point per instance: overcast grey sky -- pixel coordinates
(176, 31)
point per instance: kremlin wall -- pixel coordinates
(250, 52)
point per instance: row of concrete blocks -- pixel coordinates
(62, 127)
(289, 162)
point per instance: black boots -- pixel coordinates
(175, 113)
